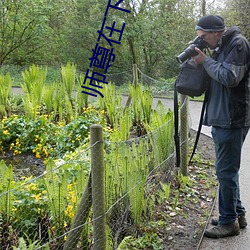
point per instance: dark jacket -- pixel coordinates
(229, 90)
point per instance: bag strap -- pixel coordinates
(176, 126)
(199, 127)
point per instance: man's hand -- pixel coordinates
(200, 58)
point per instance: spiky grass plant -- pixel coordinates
(161, 132)
(5, 89)
(48, 98)
(111, 103)
(33, 85)
(68, 74)
(81, 99)
(6, 184)
(141, 106)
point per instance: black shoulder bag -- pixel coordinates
(191, 81)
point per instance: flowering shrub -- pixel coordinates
(45, 205)
(42, 208)
(43, 137)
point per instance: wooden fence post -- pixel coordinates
(135, 74)
(184, 135)
(80, 218)
(98, 194)
(135, 79)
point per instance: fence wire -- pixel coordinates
(48, 203)
(44, 210)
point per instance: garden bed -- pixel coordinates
(180, 215)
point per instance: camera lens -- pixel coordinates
(187, 53)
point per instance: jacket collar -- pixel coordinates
(231, 32)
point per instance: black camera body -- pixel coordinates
(190, 51)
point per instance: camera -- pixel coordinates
(190, 51)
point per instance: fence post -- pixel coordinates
(184, 135)
(80, 218)
(135, 77)
(98, 195)
(135, 74)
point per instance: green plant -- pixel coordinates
(30, 208)
(33, 86)
(6, 184)
(64, 184)
(126, 172)
(161, 128)
(23, 134)
(5, 89)
(23, 246)
(48, 98)
(176, 199)
(112, 108)
(81, 100)
(184, 181)
(147, 241)
(164, 191)
(43, 137)
(62, 104)
(141, 104)
(121, 131)
(56, 187)
(68, 74)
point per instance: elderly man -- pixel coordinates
(228, 112)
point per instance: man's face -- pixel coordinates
(211, 38)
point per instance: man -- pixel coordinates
(228, 112)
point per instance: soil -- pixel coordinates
(187, 222)
(25, 164)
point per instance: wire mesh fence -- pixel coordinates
(55, 210)
(42, 210)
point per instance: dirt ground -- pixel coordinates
(187, 222)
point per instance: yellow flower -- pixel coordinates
(37, 196)
(102, 112)
(45, 151)
(69, 211)
(38, 155)
(31, 187)
(73, 199)
(6, 132)
(14, 209)
(12, 145)
(16, 152)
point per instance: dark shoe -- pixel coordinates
(241, 219)
(221, 231)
